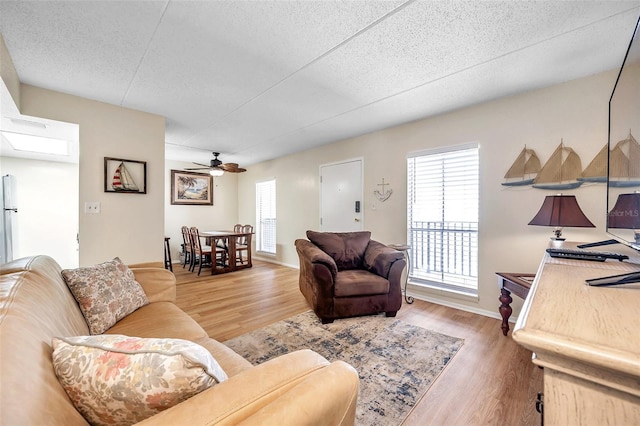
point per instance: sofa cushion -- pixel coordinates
(346, 248)
(116, 379)
(106, 293)
(359, 283)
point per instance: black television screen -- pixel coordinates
(623, 173)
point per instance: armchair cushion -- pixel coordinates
(358, 282)
(346, 248)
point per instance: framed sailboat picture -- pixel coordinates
(191, 188)
(125, 176)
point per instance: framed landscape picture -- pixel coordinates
(191, 188)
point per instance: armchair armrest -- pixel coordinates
(158, 284)
(317, 278)
(284, 390)
(379, 258)
(312, 253)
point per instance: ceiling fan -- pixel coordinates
(217, 167)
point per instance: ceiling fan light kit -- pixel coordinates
(217, 167)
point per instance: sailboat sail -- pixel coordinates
(596, 171)
(561, 171)
(122, 180)
(624, 168)
(523, 169)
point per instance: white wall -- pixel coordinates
(575, 112)
(47, 196)
(222, 215)
(130, 226)
(9, 76)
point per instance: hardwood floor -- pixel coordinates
(491, 381)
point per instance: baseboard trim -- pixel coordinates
(460, 306)
(274, 261)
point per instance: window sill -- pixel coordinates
(419, 288)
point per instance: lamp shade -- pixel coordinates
(560, 211)
(626, 212)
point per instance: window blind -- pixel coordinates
(442, 218)
(266, 216)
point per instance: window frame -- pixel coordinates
(440, 252)
(266, 244)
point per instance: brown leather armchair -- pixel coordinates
(347, 274)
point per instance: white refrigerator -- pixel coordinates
(9, 218)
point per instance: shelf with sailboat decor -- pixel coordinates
(625, 163)
(524, 169)
(596, 170)
(125, 176)
(561, 171)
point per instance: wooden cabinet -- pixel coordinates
(586, 338)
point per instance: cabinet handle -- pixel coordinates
(540, 406)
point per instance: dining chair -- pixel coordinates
(188, 247)
(201, 253)
(241, 244)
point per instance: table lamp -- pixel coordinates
(560, 211)
(626, 214)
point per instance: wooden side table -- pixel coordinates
(519, 284)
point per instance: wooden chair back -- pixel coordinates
(246, 228)
(188, 247)
(195, 240)
(200, 254)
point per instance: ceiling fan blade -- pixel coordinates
(232, 168)
(217, 164)
(228, 166)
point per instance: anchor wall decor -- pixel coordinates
(384, 195)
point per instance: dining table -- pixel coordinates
(229, 240)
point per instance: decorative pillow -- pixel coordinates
(346, 248)
(106, 293)
(116, 379)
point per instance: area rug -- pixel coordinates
(396, 361)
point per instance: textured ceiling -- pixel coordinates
(257, 80)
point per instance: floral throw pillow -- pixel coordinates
(116, 379)
(106, 293)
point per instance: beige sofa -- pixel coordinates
(36, 305)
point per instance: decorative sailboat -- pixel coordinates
(624, 166)
(561, 171)
(523, 169)
(596, 171)
(122, 180)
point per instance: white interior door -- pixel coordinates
(341, 197)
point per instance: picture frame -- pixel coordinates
(123, 176)
(191, 188)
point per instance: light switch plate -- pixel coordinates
(92, 207)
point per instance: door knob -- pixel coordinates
(356, 219)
